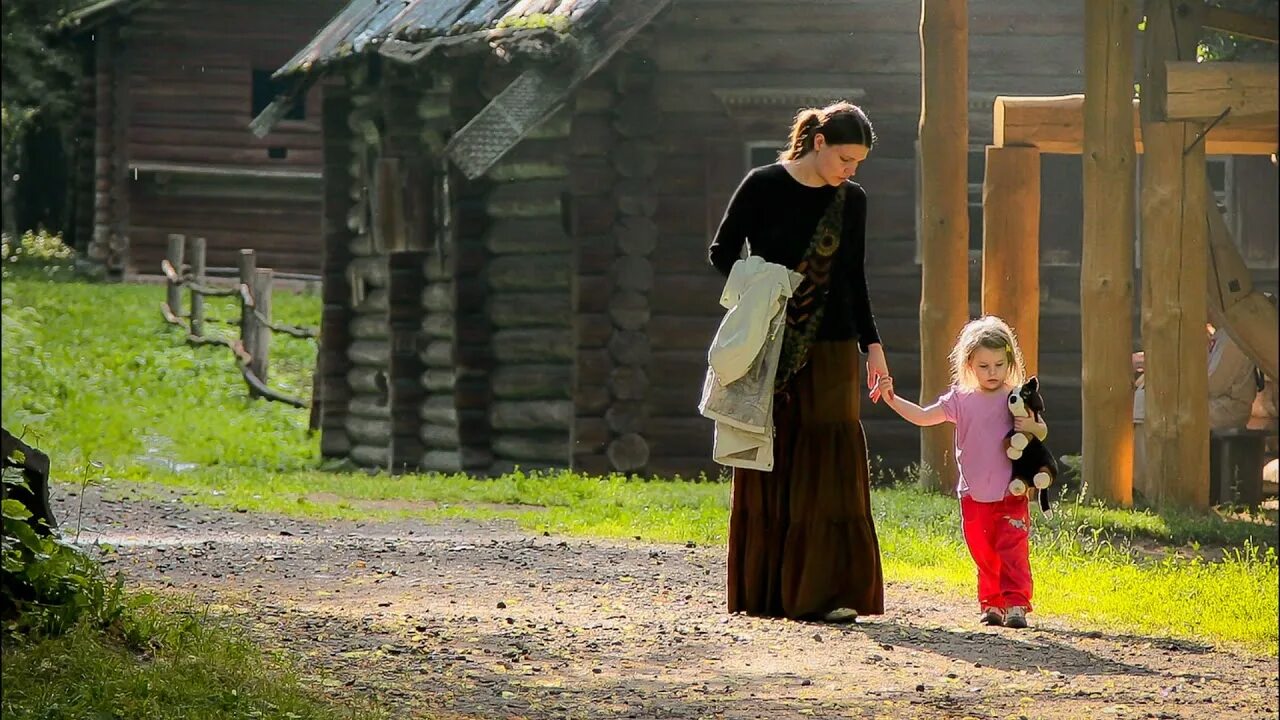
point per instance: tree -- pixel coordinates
(38, 75)
(1224, 46)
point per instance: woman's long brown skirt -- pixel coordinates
(801, 538)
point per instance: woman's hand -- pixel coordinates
(877, 368)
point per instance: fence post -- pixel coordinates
(248, 333)
(176, 256)
(197, 275)
(262, 305)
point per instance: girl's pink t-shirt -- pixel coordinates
(982, 420)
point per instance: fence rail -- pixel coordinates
(253, 348)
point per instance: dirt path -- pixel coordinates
(485, 621)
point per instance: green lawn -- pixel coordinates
(95, 374)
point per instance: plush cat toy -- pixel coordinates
(1033, 464)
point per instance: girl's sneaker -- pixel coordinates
(992, 616)
(1016, 618)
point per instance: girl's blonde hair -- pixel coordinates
(988, 332)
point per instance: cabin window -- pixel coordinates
(265, 89)
(759, 153)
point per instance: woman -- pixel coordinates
(802, 544)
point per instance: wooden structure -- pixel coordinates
(944, 227)
(1179, 125)
(518, 199)
(165, 147)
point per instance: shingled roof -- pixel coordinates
(365, 25)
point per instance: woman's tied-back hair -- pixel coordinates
(841, 123)
(988, 332)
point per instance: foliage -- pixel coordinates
(96, 374)
(48, 585)
(38, 72)
(37, 251)
(159, 660)
(1224, 46)
(536, 21)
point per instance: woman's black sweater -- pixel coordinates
(776, 215)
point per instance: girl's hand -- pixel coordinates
(884, 389)
(1031, 425)
(877, 368)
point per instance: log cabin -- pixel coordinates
(163, 145)
(518, 197)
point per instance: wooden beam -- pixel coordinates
(1011, 244)
(1241, 24)
(1174, 283)
(1055, 124)
(1171, 33)
(1106, 265)
(1203, 91)
(1234, 305)
(944, 215)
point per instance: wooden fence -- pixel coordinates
(184, 267)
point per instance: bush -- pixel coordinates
(36, 250)
(48, 585)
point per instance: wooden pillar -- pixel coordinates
(1011, 244)
(198, 261)
(1174, 313)
(176, 254)
(1174, 283)
(1106, 265)
(944, 215)
(248, 265)
(261, 291)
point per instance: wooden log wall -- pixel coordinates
(439, 428)
(109, 212)
(634, 156)
(368, 421)
(529, 282)
(473, 358)
(403, 221)
(340, 196)
(82, 174)
(191, 85)
(592, 208)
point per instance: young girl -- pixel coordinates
(985, 365)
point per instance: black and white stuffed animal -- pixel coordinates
(1033, 464)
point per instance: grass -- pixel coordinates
(97, 374)
(167, 660)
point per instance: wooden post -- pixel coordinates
(1106, 264)
(944, 215)
(176, 255)
(1174, 282)
(1174, 313)
(1011, 244)
(261, 290)
(197, 276)
(248, 265)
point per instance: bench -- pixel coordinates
(1236, 457)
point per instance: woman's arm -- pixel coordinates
(726, 247)
(855, 236)
(929, 416)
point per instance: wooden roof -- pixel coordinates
(363, 25)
